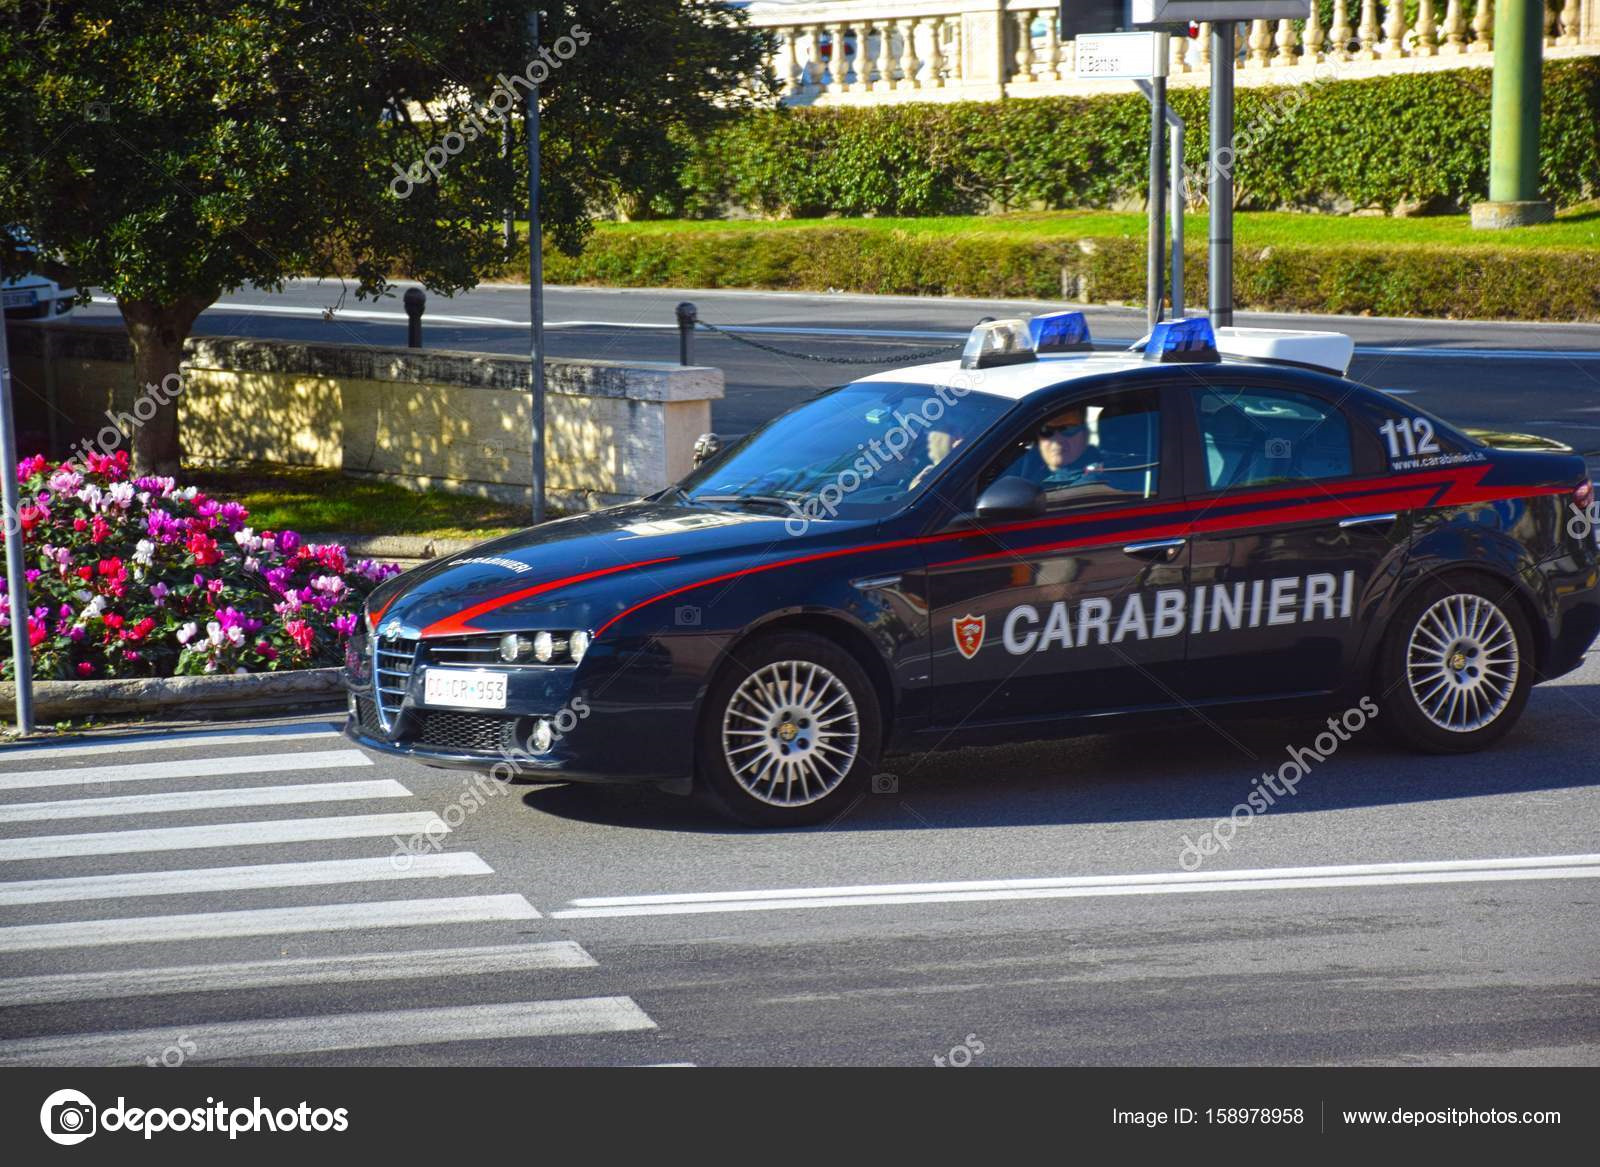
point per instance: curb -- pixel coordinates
(197, 696)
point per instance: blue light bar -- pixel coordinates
(1182, 340)
(1060, 332)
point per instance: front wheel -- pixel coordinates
(791, 731)
(1456, 666)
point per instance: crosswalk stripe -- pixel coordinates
(188, 768)
(170, 740)
(426, 865)
(438, 965)
(340, 1031)
(267, 831)
(80, 808)
(265, 922)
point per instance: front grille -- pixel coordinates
(464, 651)
(392, 659)
(477, 732)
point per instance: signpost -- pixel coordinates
(1083, 19)
(16, 578)
(535, 284)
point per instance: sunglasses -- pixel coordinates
(1061, 431)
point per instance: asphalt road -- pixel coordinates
(237, 904)
(1543, 378)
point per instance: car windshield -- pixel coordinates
(861, 451)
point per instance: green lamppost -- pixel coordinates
(1514, 126)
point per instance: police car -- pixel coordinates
(1037, 540)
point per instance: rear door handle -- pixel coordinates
(1155, 548)
(1367, 520)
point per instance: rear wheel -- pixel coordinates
(790, 733)
(1456, 666)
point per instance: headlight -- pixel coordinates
(545, 648)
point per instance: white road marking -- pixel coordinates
(78, 808)
(224, 835)
(339, 1031)
(265, 922)
(435, 965)
(970, 891)
(190, 768)
(169, 741)
(427, 865)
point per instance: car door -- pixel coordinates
(1075, 611)
(1289, 537)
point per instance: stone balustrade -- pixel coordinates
(848, 52)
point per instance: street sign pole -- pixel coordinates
(1156, 248)
(1221, 195)
(535, 284)
(16, 577)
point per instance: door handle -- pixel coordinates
(1367, 520)
(1168, 548)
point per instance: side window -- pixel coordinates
(1105, 448)
(1251, 437)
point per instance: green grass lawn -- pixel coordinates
(320, 502)
(1578, 227)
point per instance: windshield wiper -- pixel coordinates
(773, 500)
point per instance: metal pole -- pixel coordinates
(687, 314)
(415, 300)
(1158, 182)
(535, 283)
(1175, 128)
(1221, 195)
(1514, 118)
(509, 227)
(16, 578)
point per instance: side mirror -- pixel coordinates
(1011, 498)
(706, 447)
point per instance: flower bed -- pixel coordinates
(139, 577)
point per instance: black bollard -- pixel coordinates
(687, 315)
(414, 301)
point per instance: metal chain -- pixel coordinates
(916, 355)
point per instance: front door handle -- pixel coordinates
(1367, 520)
(1166, 549)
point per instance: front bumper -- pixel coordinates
(612, 725)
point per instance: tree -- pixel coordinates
(169, 153)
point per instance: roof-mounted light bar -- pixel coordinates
(1187, 340)
(998, 342)
(1060, 332)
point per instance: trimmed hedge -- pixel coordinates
(1483, 283)
(1413, 140)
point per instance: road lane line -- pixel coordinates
(438, 964)
(971, 891)
(190, 768)
(265, 876)
(363, 826)
(169, 741)
(265, 922)
(79, 808)
(339, 1031)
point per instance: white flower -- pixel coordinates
(214, 632)
(251, 563)
(186, 633)
(145, 552)
(95, 607)
(121, 493)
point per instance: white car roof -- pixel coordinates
(1014, 382)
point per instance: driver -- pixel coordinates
(1064, 447)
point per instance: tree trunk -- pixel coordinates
(157, 332)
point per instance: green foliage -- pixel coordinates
(1407, 139)
(1483, 281)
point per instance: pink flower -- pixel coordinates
(300, 632)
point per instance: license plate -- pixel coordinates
(464, 689)
(19, 299)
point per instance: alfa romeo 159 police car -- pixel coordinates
(1036, 540)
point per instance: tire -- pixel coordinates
(1456, 666)
(790, 732)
